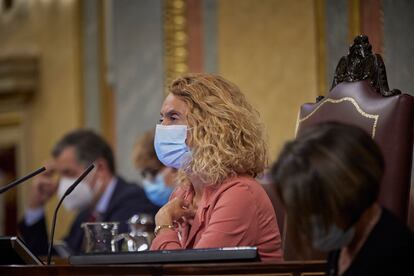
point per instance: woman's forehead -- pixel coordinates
(173, 103)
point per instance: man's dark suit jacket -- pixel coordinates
(127, 200)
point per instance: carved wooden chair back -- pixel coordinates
(360, 96)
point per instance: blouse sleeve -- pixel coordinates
(168, 238)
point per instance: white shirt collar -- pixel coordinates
(102, 205)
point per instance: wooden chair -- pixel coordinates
(360, 96)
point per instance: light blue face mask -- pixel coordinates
(332, 239)
(156, 190)
(170, 145)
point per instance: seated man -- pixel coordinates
(101, 196)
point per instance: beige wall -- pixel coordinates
(268, 48)
(49, 29)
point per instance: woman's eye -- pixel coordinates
(160, 120)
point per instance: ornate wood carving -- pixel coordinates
(18, 76)
(176, 40)
(362, 64)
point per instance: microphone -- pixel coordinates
(18, 181)
(68, 191)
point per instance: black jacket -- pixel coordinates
(388, 250)
(127, 200)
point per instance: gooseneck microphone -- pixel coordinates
(23, 179)
(68, 191)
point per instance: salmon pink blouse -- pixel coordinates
(237, 212)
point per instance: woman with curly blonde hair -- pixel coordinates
(215, 138)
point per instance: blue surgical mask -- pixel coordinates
(170, 145)
(156, 190)
(332, 239)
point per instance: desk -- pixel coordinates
(309, 268)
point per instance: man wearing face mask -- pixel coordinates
(158, 181)
(101, 196)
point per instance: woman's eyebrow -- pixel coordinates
(171, 113)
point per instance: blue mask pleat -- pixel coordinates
(170, 146)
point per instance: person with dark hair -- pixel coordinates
(328, 180)
(101, 196)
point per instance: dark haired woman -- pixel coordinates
(328, 180)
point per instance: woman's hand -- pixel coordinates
(174, 210)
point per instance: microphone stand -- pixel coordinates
(68, 191)
(18, 181)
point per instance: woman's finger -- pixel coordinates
(188, 213)
(185, 203)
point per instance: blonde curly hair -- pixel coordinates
(226, 135)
